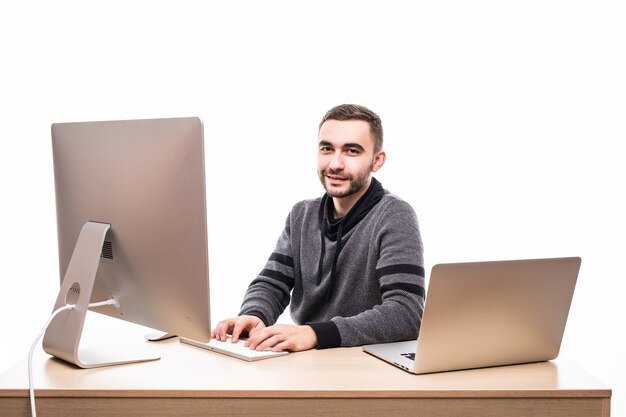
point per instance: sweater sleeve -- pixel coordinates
(268, 294)
(400, 274)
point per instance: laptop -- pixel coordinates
(236, 350)
(483, 314)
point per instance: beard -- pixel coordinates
(355, 183)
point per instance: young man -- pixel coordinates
(350, 262)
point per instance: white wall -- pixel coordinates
(502, 123)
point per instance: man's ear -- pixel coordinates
(379, 161)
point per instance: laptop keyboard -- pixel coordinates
(410, 355)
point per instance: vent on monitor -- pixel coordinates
(107, 250)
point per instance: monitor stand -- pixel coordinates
(62, 337)
(158, 336)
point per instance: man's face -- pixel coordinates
(346, 157)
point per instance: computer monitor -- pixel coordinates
(131, 218)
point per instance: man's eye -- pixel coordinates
(325, 149)
(353, 151)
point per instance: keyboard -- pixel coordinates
(236, 350)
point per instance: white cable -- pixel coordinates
(31, 387)
(110, 302)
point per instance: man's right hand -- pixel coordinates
(237, 326)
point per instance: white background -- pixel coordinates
(502, 121)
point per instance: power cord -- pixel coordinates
(31, 387)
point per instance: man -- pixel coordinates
(350, 262)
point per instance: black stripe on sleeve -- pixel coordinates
(400, 269)
(282, 259)
(404, 286)
(278, 276)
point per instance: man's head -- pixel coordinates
(349, 150)
(356, 112)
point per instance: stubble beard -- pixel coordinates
(356, 183)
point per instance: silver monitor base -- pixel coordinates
(62, 337)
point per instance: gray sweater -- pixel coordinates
(376, 293)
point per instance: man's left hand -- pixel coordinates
(283, 337)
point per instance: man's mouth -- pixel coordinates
(334, 177)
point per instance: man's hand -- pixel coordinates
(283, 337)
(237, 326)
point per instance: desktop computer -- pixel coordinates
(132, 229)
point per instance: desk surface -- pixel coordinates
(343, 381)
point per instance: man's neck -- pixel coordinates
(344, 204)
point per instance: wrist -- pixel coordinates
(311, 336)
(326, 334)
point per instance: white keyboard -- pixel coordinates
(237, 350)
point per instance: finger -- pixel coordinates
(255, 327)
(222, 329)
(254, 339)
(242, 323)
(215, 333)
(234, 336)
(270, 342)
(259, 337)
(259, 326)
(284, 345)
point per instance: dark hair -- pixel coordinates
(356, 112)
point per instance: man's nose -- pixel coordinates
(336, 162)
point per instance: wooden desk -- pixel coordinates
(189, 381)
